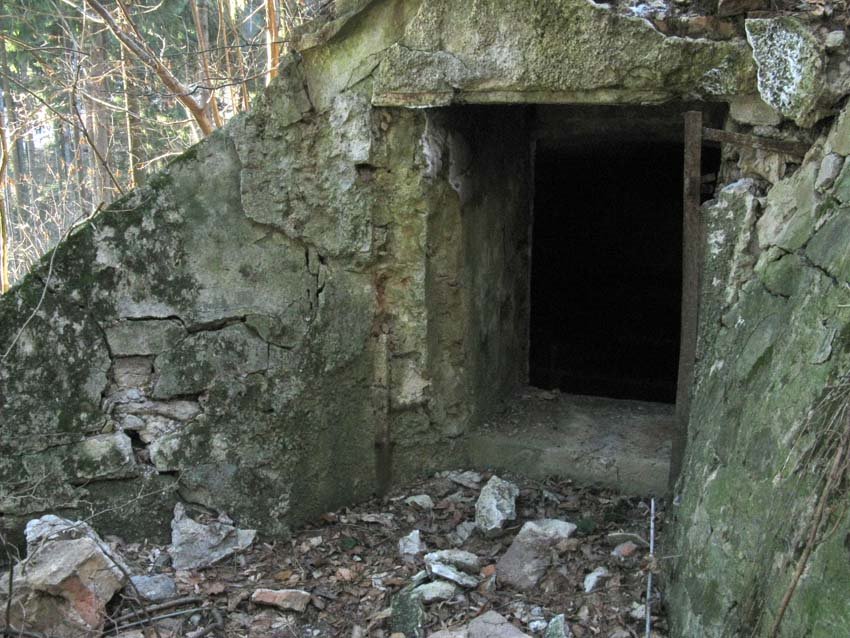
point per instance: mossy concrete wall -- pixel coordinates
(305, 305)
(769, 408)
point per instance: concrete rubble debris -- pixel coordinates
(454, 565)
(422, 501)
(496, 506)
(411, 545)
(530, 554)
(558, 628)
(493, 625)
(624, 550)
(66, 580)
(285, 599)
(195, 545)
(469, 479)
(154, 588)
(592, 580)
(435, 591)
(462, 533)
(407, 614)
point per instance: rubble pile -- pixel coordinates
(460, 555)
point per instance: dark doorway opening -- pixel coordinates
(606, 274)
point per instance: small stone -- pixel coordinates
(751, 109)
(536, 626)
(558, 628)
(496, 506)
(624, 550)
(461, 533)
(830, 167)
(411, 545)
(408, 615)
(530, 555)
(834, 39)
(592, 580)
(467, 561)
(616, 538)
(435, 591)
(468, 479)
(153, 588)
(285, 599)
(422, 501)
(460, 632)
(493, 625)
(638, 611)
(448, 572)
(195, 546)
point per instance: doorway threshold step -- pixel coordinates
(613, 443)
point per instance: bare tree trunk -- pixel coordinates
(200, 13)
(272, 46)
(4, 222)
(130, 39)
(18, 162)
(132, 124)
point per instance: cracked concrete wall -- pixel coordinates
(479, 257)
(774, 350)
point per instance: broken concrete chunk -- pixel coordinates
(624, 550)
(154, 588)
(411, 545)
(592, 580)
(493, 625)
(790, 66)
(462, 533)
(467, 561)
(496, 506)
(530, 555)
(422, 501)
(195, 546)
(143, 337)
(751, 109)
(469, 479)
(63, 586)
(408, 615)
(285, 599)
(830, 167)
(558, 628)
(449, 572)
(436, 591)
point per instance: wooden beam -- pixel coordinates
(692, 241)
(796, 149)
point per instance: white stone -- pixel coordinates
(461, 533)
(529, 556)
(830, 167)
(436, 591)
(592, 580)
(285, 599)
(422, 501)
(834, 39)
(411, 545)
(467, 561)
(194, 545)
(493, 625)
(496, 506)
(449, 572)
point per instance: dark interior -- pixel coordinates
(606, 269)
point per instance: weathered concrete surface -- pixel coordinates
(619, 444)
(766, 414)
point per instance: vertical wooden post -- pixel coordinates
(692, 241)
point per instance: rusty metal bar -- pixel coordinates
(797, 149)
(692, 240)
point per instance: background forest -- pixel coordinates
(97, 94)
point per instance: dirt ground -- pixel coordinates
(349, 562)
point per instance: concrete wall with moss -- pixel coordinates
(261, 329)
(769, 408)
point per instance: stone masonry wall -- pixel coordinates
(767, 411)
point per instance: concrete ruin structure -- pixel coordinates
(334, 293)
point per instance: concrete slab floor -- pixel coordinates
(592, 440)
